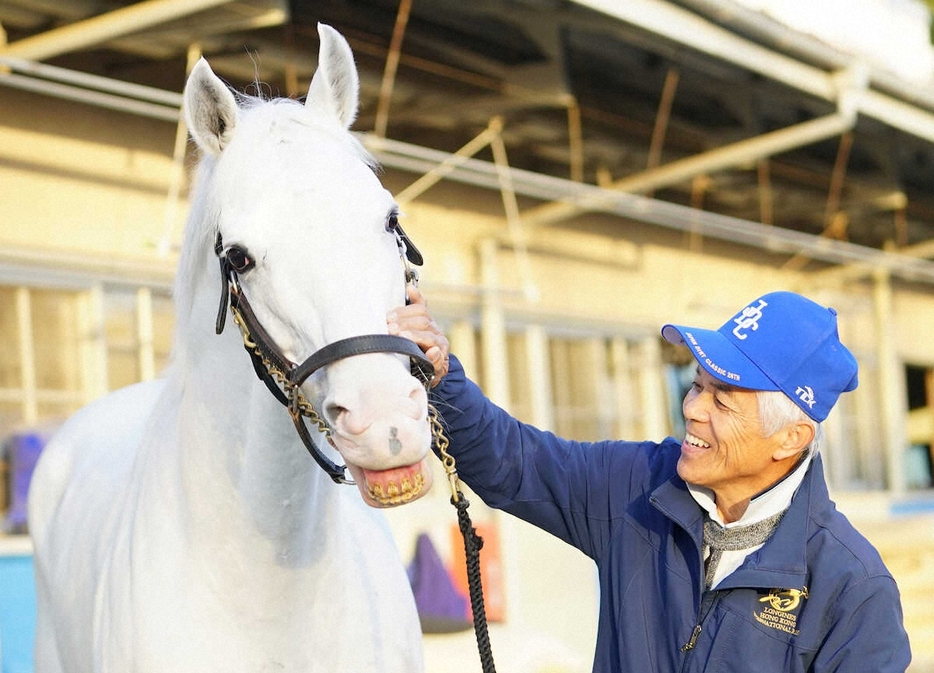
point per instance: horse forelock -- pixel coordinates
(295, 111)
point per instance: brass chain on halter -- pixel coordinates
(299, 405)
(447, 460)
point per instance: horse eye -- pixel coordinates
(392, 222)
(239, 260)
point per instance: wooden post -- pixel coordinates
(622, 389)
(539, 366)
(493, 329)
(891, 392)
(27, 355)
(654, 406)
(144, 334)
(389, 72)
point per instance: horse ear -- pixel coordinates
(210, 109)
(335, 86)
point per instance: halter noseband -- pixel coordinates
(284, 378)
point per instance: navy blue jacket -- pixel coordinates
(816, 597)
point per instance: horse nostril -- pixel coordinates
(417, 398)
(348, 421)
(333, 412)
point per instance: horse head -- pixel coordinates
(307, 234)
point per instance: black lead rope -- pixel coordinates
(473, 543)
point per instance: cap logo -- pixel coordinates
(806, 395)
(748, 320)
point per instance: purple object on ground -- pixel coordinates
(441, 607)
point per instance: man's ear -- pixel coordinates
(796, 437)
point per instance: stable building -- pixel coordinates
(575, 173)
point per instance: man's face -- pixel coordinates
(723, 448)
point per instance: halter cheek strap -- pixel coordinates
(284, 378)
(226, 272)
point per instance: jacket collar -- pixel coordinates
(782, 561)
(674, 500)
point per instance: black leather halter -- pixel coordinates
(284, 378)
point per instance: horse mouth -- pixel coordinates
(395, 486)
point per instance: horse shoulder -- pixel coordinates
(77, 489)
(87, 462)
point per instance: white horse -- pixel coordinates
(180, 525)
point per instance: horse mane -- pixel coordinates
(202, 223)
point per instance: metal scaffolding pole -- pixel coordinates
(104, 27)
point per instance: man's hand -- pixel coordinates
(414, 322)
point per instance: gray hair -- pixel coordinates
(777, 411)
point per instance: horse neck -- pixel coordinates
(243, 471)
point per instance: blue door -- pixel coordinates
(17, 613)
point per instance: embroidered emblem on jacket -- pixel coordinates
(779, 612)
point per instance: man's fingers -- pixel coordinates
(408, 321)
(411, 318)
(415, 295)
(438, 357)
(424, 338)
(413, 322)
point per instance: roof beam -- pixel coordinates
(750, 150)
(683, 27)
(650, 211)
(860, 270)
(104, 27)
(737, 154)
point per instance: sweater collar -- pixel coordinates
(782, 561)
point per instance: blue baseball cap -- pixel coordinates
(781, 341)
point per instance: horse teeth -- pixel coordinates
(396, 495)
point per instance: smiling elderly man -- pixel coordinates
(721, 552)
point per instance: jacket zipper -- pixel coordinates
(689, 645)
(707, 602)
